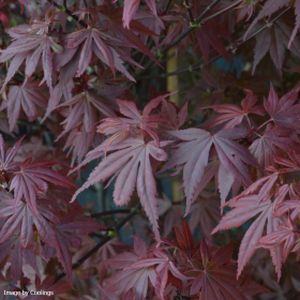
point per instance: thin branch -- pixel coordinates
(111, 212)
(221, 11)
(105, 240)
(199, 19)
(188, 6)
(268, 24)
(68, 12)
(232, 47)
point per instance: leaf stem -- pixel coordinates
(264, 124)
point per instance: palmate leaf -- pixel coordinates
(31, 44)
(272, 6)
(26, 98)
(133, 121)
(142, 269)
(257, 201)
(129, 161)
(232, 115)
(285, 237)
(91, 41)
(266, 146)
(19, 219)
(32, 178)
(275, 41)
(284, 111)
(20, 223)
(131, 7)
(78, 143)
(193, 153)
(215, 278)
(82, 110)
(269, 7)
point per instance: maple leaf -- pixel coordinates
(82, 109)
(56, 231)
(32, 178)
(274, 40)
(172, 118)
(136, 269)
(78, 143)
(134, 122)
(214, 275)
(91, 41)
(285, 237)
(131, 7)
(133, 38)
(19, 219)
(130, 162)
(245, 10)
(27, 98)
(194, 151)
(272, 6)
(256, 201)
(284, 112)
(269, 7)
(289, 164)
(31, 43)
(17, 233)
(266, 146)
(232, 115)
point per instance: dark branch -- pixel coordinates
(111, 212)
(105, 240)
(232, 47)
(199, 20)
(189, 9)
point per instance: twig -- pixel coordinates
(199, 19)
(268, 24)
(111, 212)
(189, 9)
(232, 47)
(221, 11)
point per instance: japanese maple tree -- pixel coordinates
(150, 149)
